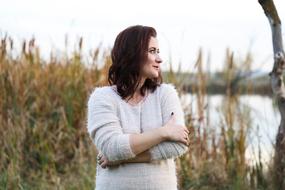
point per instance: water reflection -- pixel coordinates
(261, 119)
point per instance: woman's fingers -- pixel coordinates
(100, 161)
(188, 132)
(104, 163)
(185, 134)
(185, 129)
(99, 156)
(186, 138)
(185, 141)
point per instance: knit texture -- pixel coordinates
(110, 121)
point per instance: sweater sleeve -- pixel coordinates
(169, 103)
(104, 127)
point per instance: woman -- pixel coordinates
(137, 122)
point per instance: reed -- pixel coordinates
(44, 143)
(216, 159)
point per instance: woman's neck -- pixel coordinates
(138, 90)
(137, 97)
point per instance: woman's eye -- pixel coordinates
(153, 51)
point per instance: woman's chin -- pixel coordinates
(155, 76)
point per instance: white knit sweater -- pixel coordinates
(110, 121)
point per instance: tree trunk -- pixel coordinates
(277, 84)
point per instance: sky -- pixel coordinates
(183, 26)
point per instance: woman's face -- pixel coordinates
(151, 67)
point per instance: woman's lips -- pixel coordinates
(156, 67)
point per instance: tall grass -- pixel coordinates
(44, 143)
(216, 159)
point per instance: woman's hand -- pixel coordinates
(175, 132)
(104, 162)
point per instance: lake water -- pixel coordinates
(264, 117)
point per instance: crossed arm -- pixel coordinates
(157, 144)
(143, 144)
(143, 157)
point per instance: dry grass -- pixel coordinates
(44, 143)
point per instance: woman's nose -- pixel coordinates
(158, 59)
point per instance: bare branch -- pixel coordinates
(277, 85)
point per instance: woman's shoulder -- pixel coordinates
(166, 88)
(101, 93)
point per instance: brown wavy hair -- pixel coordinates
(128, 55)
